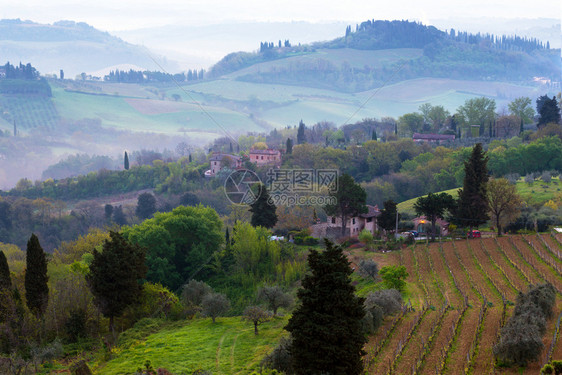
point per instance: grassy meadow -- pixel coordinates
(228, 346)
(536, 193)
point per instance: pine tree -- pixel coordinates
(374, 135)
(263, 212)
(387, 219)
(5, 280)
(350, 199)
(115, 276)
(118, 216)
(326, 327)
(472, 206)
(36, 288)
(146, 206)
(126, 161)
(190, 160)
(548, 111)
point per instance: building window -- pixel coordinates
(333, 219)
(369, 219)
(353, 220)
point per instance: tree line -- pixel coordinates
(138, 76)
(27, 71)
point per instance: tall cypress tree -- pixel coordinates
(5, 280)
(263, 212)
(126, 161)
(326, 327)
(289, 146)
(36, 288)
(472, 205)
(115, 276)
(301, 137)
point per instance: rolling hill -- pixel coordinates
(380, 69)
(412, 51)
(70, 46)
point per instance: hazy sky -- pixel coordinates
(132, 14)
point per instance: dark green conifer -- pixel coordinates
(115, 275)
(289, 146)
(263, 212)
(36, 279)
(472, 207)
(301, 136)
(326, 329)
(126, 161)
(5, 280)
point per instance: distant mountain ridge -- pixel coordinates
(74, 47)
(61, 31)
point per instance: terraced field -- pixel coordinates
(461, 294)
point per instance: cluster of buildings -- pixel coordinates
(261, 158)
(332, 227)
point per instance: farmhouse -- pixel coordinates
(265, 157)
(332, 228)
(219, 161)
(433, 138)
(423, 225)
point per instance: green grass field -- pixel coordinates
(534, 194)
(314, 105)
(354, 57)
(228, 346)
(115, 111)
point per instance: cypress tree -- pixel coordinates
(36, 288)
(374, 135)
(289, 146)
(190, 158)
(5, 280)
(521, 129)
(115, 276)
(326, 327)
(126, 161)
(472, 207)
(263, 212)
(301, 137)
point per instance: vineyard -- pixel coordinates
(460, 295)
(31, 111)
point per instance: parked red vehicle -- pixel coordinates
(474, 234)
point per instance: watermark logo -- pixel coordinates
(290, 187)
(243, 187)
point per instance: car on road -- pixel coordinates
(473, 234)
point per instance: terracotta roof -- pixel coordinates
(373, 211)
(265, 152)
(219, 157)
(434, 137)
